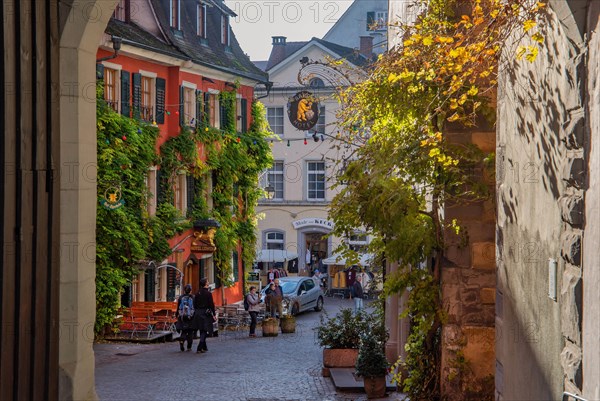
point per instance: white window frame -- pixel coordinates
(217, 110)
(322, 111)
(276, 108)
(225, 40)
(268, 180)
(280, 242)
(152, 76)
(117, 69)
(381, 18)
(178, 27)
(308, 181)
(191, 114)
(203, 8)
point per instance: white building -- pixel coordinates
(362, 26)
(303, 172)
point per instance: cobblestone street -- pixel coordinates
(237, 367)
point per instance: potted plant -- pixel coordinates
(270, 327)
(372, 365)
(288, 323)
(340, 336)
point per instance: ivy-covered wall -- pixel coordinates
(128, 237)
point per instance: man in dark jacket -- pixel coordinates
(275, 295)
(358, 294)
(204, 314)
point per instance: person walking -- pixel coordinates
(185, 316)
(254, 307)
(357, 291)
(276, 299)
(204, 314)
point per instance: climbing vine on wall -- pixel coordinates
(128, 235)
(234, 161)
(443, 73)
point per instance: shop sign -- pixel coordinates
(312, 222)
(112, 198)
(203, 242)
(303, 110)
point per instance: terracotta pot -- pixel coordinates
(339, 357)
(270, 327)
(288, 325)
(375, 386)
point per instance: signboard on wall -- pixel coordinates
(303, 110)
(312, 222)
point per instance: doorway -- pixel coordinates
(316, 248)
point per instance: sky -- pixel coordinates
(297, 20)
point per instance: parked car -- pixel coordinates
(299, 294)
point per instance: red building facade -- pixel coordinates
(173, 61)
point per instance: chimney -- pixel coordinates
(278, 52)
(366, 46)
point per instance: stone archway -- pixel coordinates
(81, 24)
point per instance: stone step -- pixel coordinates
(345, 379)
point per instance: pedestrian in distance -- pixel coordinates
(357, 293)
(276, 300)
(268, 298)
(254, 301)
(185, 318)
(204, 314)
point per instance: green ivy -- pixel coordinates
(235, 161)
(127, 236)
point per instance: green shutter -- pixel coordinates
(199, 108)
(137, 95)
(182, 121)
(125, 93)
(99, 71)
(206, 109)
(244, 115)
(160, 100)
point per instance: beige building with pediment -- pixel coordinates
(296, 218)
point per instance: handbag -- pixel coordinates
(209, 313)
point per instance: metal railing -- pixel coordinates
(566, 396)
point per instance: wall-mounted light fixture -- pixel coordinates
(116, 42)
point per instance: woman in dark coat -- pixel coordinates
(204, 314)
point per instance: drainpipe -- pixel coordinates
(116, 40)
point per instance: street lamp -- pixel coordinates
(270, 191)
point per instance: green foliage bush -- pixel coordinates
(346, 328)
(371, 361)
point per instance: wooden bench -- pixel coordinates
(138, 319)
(162, 312)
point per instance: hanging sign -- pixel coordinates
(303, 110)
(203, 241)
(112, 198)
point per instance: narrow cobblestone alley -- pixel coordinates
(237, 367)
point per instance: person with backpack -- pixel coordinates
(185, 317)
(204, 314)
(252, 305)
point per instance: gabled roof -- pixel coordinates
(185, 44)
(289, 48)
(213, 53)
(352, 55)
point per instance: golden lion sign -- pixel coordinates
(303, 110)
(203, 241)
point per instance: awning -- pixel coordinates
(335, 259)
(274, 255)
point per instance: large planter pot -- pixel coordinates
(288, 325)
(338, 358)
(375, 386)
(270, 327)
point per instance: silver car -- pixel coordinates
(299, 294)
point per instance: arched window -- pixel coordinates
(316, 83)
(274, 240)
